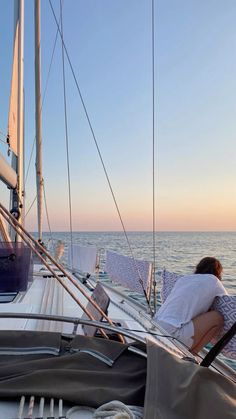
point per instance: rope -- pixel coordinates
(66, 132)
(101, 158)
(78, 409)
(118, 410)
(153, 163)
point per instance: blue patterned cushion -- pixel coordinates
(129, 272)
(226, 305)
(168, 281)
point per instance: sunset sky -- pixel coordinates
(109, 43)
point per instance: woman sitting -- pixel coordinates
(185, 315)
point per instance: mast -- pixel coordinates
(38, 118)
(20, 145)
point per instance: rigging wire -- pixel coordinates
(31, 206)
(101, 158)
(66, 131)
(3, 141)
(46, 210)
(153, 162)
(3, 133)
(5, 137)
(31, 155)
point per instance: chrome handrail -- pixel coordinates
(76, 321)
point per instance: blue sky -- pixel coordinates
(109, 43)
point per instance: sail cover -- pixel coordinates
(13, 107)
(129, 272)
(7, 174)
(80, 374)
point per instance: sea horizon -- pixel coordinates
(175, 251)
(137, 231)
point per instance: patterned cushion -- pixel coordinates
(168, 281)
(128, 272)
(225, 304)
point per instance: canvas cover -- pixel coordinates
(179, 389)
(88, 371)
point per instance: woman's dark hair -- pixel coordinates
(209, 265)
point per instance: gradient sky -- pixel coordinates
(109, 43)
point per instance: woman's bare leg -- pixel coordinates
(206, 326)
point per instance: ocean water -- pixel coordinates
(176, 251)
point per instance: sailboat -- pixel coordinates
(72, 345)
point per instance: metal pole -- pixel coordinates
(38, 118)
(20, 145)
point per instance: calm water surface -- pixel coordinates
(178, 252)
